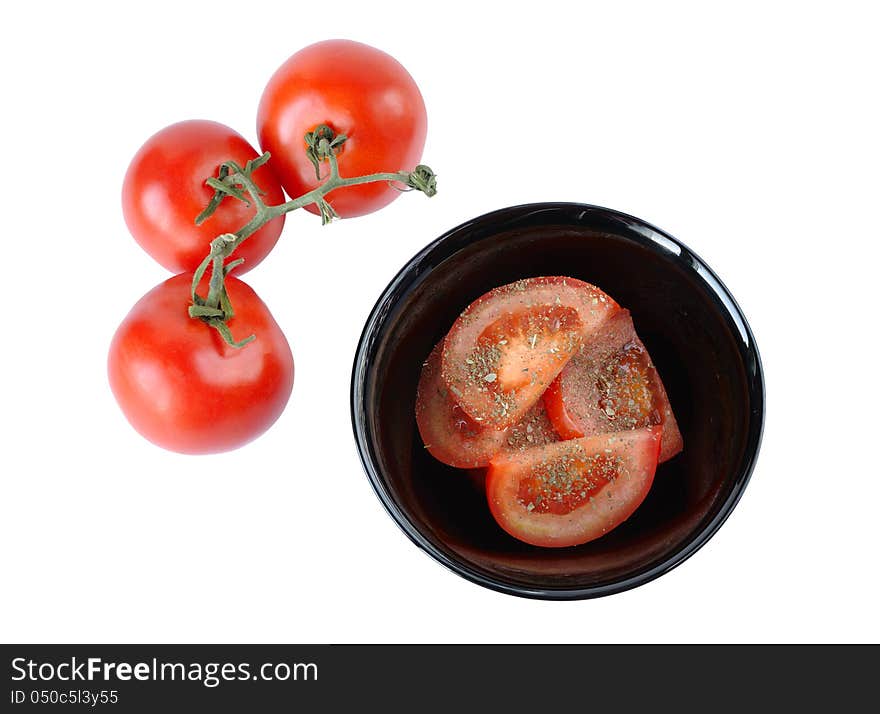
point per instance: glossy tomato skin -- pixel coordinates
(164, 190)
(182, 387)
(358, 91)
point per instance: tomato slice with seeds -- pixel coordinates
(571, 492)
(508, 345)
(612, 385)
(448, 433)
(452, 437)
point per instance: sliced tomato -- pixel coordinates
(448, 433)
(452, 437)
(572, 492)
(612, 385)
(534, 429)
(508, 345)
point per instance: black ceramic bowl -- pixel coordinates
(693, 329)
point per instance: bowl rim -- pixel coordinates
(665, 245)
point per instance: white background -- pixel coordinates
(750, 133)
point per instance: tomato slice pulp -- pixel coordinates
(571, 492)
(534, 429)
(508, 345)
(612, 385)
(449, 434)
(452, 437)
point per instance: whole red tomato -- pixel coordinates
(358, 91)
(182, 387)
(164, 190)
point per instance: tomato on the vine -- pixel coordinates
(358, 91)
(164, 190)
(182, 387)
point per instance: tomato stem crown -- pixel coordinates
(318, 150)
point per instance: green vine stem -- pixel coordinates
(234, 181)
